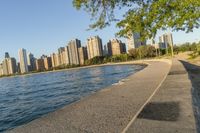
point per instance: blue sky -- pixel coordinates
(42, 26)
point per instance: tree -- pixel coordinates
(151, 51)
(133, 53)
(143, 16)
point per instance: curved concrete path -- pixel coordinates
(107, 111)
(171, 108)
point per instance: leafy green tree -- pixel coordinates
(143, 16)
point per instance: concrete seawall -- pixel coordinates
(113, 109)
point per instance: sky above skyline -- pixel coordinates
(42, 26)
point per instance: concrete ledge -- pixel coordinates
(109, 110)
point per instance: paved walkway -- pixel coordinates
(109, 110)
(170, 110)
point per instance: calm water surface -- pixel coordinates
(26, 98)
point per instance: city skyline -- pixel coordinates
(74, 54)
(62, 48)
(71, 54)
(53, 24)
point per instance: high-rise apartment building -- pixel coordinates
(55, 60)
(73, 51)
(82, 55)
(105, 50)
(23, 61)
(123, 48)
(9, 66)
(116, 47)
(65, 56)
(5, 67)
(165, 41)
(1, 69)
(12, 67)
(47, 63)
(94, 47)
(40, 64)
(61, 52)
(134, 41)
(31, 62)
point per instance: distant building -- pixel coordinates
(55, 60)
(73, 52)
(47, 63)
(23, 61)
(31, 62)
(154, 44)
(82, 55)
(7, 55)
(8, 66)
(134, 41)
(116, 47)
(65, 56)
(5, 67)
(61, 52)
(165, 41)
(123, 48)
(40, 64)
(94, 47)
(1, 69)
(12, 67)
(105, 50)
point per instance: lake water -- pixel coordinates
(25, 98)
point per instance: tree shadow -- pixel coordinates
(162, 111)
(194, 75)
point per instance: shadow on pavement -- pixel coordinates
(162, 111)
(194, 76)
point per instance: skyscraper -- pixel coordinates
(116, 47)
(73, 52)
(134, 41)
(23, 61)
(31, 62)
(54, 60)
(5, 66)
(40, 64)
(12, 66)
(7, 55)
(61, 52)
(94, 47)
(165, 41)
(9, 66)
(47, 63)
(1, 69)
(105, 50)
(82, 55)
(65, 56)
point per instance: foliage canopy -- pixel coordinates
(143, 16)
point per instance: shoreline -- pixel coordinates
(138, 62)
(76, 116)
